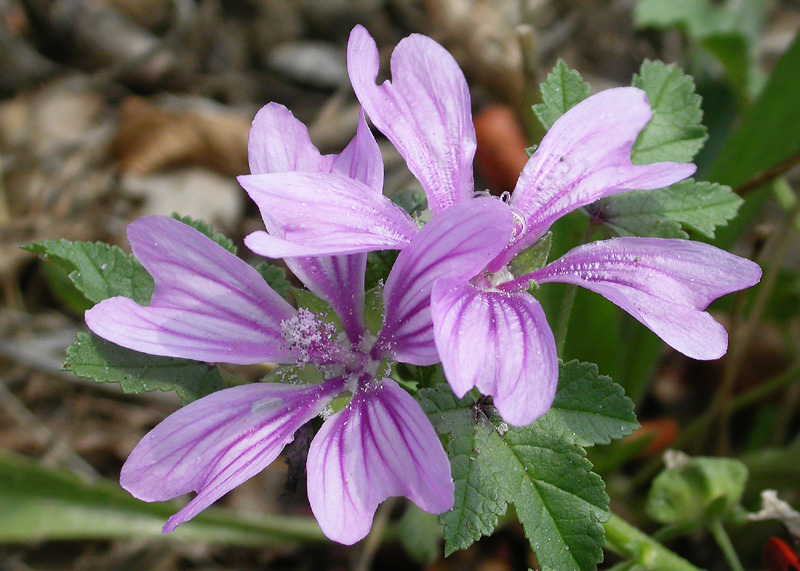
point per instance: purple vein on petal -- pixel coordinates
(207, 304)
(214, 444)
(457, 243)
(424, 110)
(281, 143)
(498, 342)
(380, 445)
(586, 156)
(665, 284)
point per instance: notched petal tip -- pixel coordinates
(424, 110)
(498, 342)
(665, 284)
(380, 445)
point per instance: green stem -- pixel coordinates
(725, 545)
(628, 542)
(568, 301)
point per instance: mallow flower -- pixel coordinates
(209, 305)
(490, 332)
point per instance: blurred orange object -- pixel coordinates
(661, 433)
(778, 556)
(500, 156)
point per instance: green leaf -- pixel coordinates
(702, 206)
(559, 502)
(92, 357)
(729, 31)
(64, 290)
(98, 270)
(206, 229)
(697, 490)
(675, 132)
(589, 408)
(694, 14)
(479, 498)
(563, 89)
(412, 200)
(769, 132)
(275, 278)
(44, 504)
(768, 135)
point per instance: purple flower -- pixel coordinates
(208, 305)
(490, 333)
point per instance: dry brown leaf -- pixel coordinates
(180, 131)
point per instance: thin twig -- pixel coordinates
(375, 537)
(768, 175)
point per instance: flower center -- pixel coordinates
(309, 338)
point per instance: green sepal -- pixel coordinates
(379, 264)
(92, 357)
(307, 300)
(533, 258)
(412, 200)
(374, 309)
(291, 374)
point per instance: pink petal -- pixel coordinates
(586, 156)
(321, 214)
(361, 159)
(218, 442)
(338, 280)
(280, 143)
(458, 243)
(425, 111)
(380, 445)
(665, 284)
(207, 304)
(498, 342)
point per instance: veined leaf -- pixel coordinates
(675, 132)
(275, 277)
(702, 206)
(540, 469)
(589, 408)
(563, 89)
(92, 357)
(98, 270)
